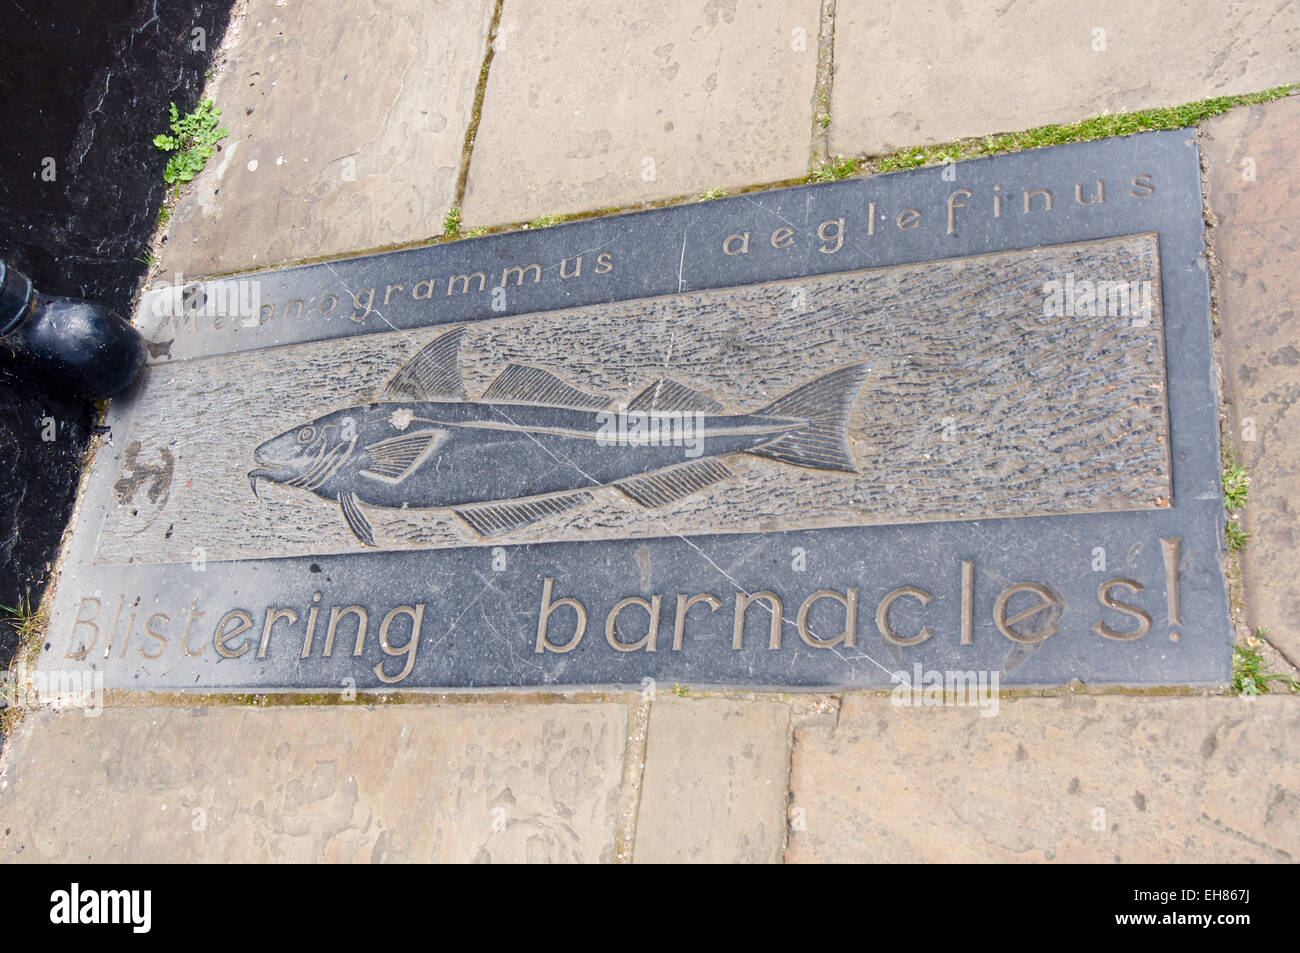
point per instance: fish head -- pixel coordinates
(309, 454)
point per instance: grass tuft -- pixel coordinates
(1250, 677)
(451, 224)
(1235, 536)
(546, 221)
(26, 622)
(835, 170)
(1236, 485)
(1085, 130)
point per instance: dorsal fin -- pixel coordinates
(668, 394)
(522, 384)
(433, 374)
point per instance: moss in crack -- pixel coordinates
(1085, 130)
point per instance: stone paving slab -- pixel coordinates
(464, 530)
(346, 132)
(407, 783)
(1249, 157)
(589, 107)
(715, 782)
(909, 73)
(1172, 779)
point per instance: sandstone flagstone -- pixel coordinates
(597, 105)
(909, 73)
(463, 783)
(1253, 192)
(346, 132)
(1082, 779)
(715, 782)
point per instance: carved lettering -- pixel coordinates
(519, 274)
(272, 617)
(953, 205)
(849, 636)
(683, 606)
(363, 622)
(650, 640)
(222, 636)
(774, 607)
(84, 650)
(783, 237)
(1110, 602)
(1049, 603)
(416, 614)
(544, 642)
(729, 246)
(158, 636)
(831, 243)
(464, 282)
(882, 616)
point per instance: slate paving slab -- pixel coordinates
(1252, 191)
(592, 106)
(410, 783)
(426, 469)
(910, 73)
(346, 132)
(1084, 779)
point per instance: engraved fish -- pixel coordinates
(533, 446)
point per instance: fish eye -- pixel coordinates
(306, 434)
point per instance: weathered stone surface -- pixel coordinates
(1255, 196)
(715, 780)
(1210, 779)
(341, 784)
(909, 73)
(593, 106)
(346, 132)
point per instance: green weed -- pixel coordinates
(1250, 677)
(193, 139)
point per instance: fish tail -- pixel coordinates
(823, 443)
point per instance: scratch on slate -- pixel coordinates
(487, 584)
(681, 264)
(345, 287)
(834, 649)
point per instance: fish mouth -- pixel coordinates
(262, 473)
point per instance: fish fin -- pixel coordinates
(823, 442)
(493, 519)
(433, 374)
(356, 520)
(523, 384)
(668, 394)
(396, 458)
(660, 487)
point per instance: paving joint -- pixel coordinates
(638, 725)
(476, 113)
(821, 120)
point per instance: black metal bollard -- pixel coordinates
(86, 349)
